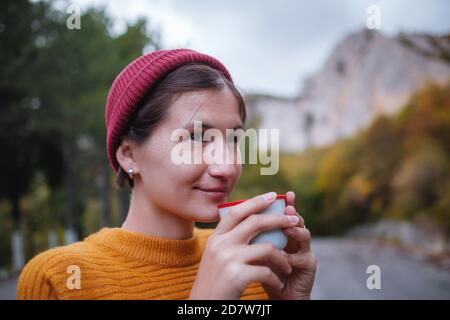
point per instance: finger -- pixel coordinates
(264, 275)
(290, 210)
(265, 252)
(301, 235)
(290, 198)
(241, 211)
(257, 223)
(305, 261)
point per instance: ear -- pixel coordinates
(125, 155)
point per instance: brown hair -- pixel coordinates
(155, 105)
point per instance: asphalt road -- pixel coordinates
(8, 289)
(341, 273)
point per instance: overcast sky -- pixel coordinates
(271, 46)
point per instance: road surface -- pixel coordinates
(342, 272)
(8, 289)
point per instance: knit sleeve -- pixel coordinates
(33, 284)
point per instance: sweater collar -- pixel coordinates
(151, 249)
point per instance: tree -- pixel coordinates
(53, 88)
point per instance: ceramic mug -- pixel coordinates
(274, 236)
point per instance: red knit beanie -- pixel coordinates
(131, 85)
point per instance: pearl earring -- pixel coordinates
(130, 173)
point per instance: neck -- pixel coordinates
(144, 217)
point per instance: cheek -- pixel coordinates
(163, 178)
(156, 165)
(185, 174)
(238, 168)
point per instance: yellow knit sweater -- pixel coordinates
(115, 263)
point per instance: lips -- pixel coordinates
(212, 189)
(214, 193)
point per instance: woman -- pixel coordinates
(158, 253)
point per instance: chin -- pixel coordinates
(205, 217)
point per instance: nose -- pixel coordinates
(223, 171)
(225, 165)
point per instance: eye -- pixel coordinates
(233, 139)
(196, 136)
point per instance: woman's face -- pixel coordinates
(191, 190)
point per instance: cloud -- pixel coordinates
(270, 46)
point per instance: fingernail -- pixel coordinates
(269, 196)
(293, 219)
(281, 286)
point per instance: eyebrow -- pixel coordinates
(206, 125)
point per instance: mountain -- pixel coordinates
(366, 75)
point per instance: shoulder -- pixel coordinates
(47, 272)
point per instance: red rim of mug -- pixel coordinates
(233, 203)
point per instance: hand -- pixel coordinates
(299, 283)
(229, 263)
